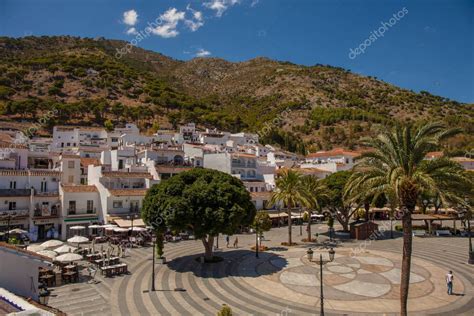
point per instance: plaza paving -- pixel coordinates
(363, 279)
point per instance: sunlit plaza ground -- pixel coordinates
(363, 279)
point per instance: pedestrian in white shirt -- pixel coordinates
(449, 282)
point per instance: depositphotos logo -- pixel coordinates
(376, 34)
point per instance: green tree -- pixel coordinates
(317, 192)
(261, 223)
(291, 192)
(341, 209)
(204, 201)
(397, 166)
(109, 126)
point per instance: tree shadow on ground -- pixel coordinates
(236, 263)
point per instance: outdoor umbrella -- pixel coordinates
(78, 240)
(138, 229)
(77, 227)
(95, 226)
(52, 243)
(120, 230)
(17, 231)
(35, 248)
(65, 249)
(47, 253)
(68, 257)
(109, 226)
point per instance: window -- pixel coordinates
(117, 204)
(44, 186)
(12, 184)
(70, 164)
(251, 189)
(12, 206)
(83, 181)
(68, 144)
(90, 206)
(70, 179)
(72, 207)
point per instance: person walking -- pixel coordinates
(449, 282)
(227, 240)
(236, 242)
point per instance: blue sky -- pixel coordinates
(430, 46)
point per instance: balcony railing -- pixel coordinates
(46, 212)
(74, 211)
(14, 213)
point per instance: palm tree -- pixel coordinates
(289, 191)
(316, 191)
(397, 166)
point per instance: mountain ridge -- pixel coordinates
(327, 105)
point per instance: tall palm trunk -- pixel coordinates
(289, 225)
(309, 226)
(406, 261)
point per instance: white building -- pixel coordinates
(80, 206)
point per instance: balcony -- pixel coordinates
(20, 213)
(78, 213)
(46, 212)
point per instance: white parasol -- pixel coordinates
(47, 253)
(120, 230)
(95, 226)
(65, 249)
(68, 257)
(35, 248)
(78, 240)
(77, 227)
(52, 243)
(17, 231)
(138, 229)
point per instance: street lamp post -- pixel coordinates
(8, 227)
(468, 216)
(256, 239)
(301, 224)
(321, 262)
(153, 264)
(131, 217)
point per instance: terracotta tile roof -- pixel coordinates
(23, 251)
(120, 174)
(12, 145)
(434, 154)
(90, 161)
(63, 155)
(37, 173)
(244, 155)
(334, 152)
(128, 192)
(79, 188)
(171, 169)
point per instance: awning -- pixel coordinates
(125, 223)
(277, 215)
(428, 217)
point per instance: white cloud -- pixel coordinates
(169, 23)
(254, 3)
(220, 6)
(196, 21)
(202, 53)
(132, 31)
(130, 17)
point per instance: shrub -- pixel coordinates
(225, 311)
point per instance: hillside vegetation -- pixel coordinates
(324, 106)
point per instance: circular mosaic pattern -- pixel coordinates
(351, 278)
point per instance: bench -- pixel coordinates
(419, 233)
(441, 233)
